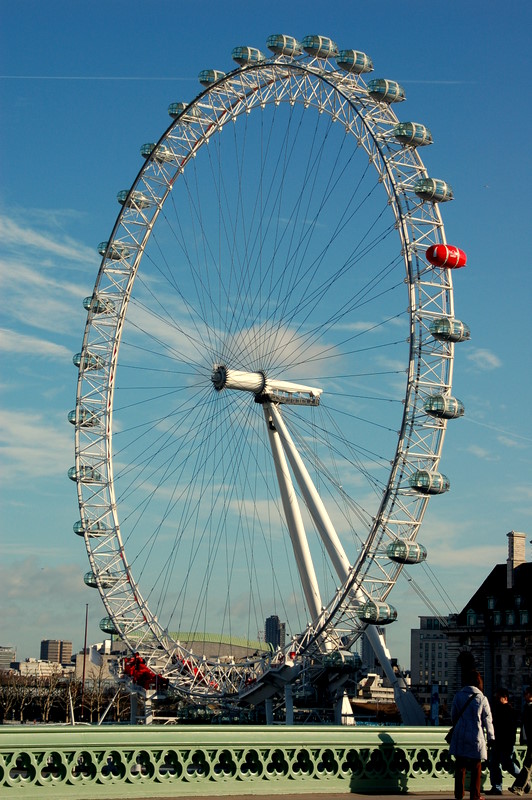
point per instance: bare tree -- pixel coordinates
(24, 688)
(47, 690)
(8, 694)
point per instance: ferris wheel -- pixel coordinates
(265, 376)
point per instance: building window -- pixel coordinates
(497, 618)
(471, 618)
(491, 603)
(523, 617)
(510, 618)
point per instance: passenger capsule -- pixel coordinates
(426, 482)
(209, 76)
(184, 112)
(376, 613)
(135, 199)
(161, 154)
(446, 256)
(98, 304)
(444, 407)
(86, 474)
(93, 530)
(247, 55)
(412, 133)
(83, 417)
(385, 91)
(108, 626)
(403, 551)
(433, 189)
(320, 46)
(87, 360)
(103, 580)
(115, 250)
(283, 45)
(354, 61)
(447, 329)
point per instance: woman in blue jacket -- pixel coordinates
(471, 716)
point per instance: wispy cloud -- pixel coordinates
(482, 452)
(483, 359)
(507, 441)
(19, 236)
(14, 342)
(33, 442)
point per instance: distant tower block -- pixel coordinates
(275, 632)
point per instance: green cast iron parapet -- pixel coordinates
(118, 761)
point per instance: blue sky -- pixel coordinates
(82, 86)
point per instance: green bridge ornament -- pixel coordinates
(119, 761)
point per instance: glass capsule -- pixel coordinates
(354, 61)
(443, 406)
(426, 482)
(376, 613)
(283, 45)
(412, 133)
(403, 551)
(434, 190)
(385, 91)
(320, 46)
(447, 329)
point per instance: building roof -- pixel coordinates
(493, 594)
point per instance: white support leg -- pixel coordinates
(294, 521)
(314, 502)
(411, 712)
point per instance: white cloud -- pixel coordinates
(14, 342)
(507, 441)
(482, 452)
(483, 359)
(21, 237)
(32, 444)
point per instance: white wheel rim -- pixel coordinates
(157, 321)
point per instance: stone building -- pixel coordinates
(493, 632)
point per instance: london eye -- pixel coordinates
(265, 377)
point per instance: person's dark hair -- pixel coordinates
(474, 678)
(502, 693)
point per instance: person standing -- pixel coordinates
(522, 782)
(471, 716)
(501, 755)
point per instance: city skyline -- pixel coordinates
(64, 157)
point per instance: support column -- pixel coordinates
(294, 521)
(134, 707)
(289, 704)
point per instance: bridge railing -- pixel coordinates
(121, 761)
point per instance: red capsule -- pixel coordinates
(446, 255)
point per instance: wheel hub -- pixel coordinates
(264, 388)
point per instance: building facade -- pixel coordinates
(56, 650)
(493, 632)
(8, 655)
(275, 632)
(429, 660)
